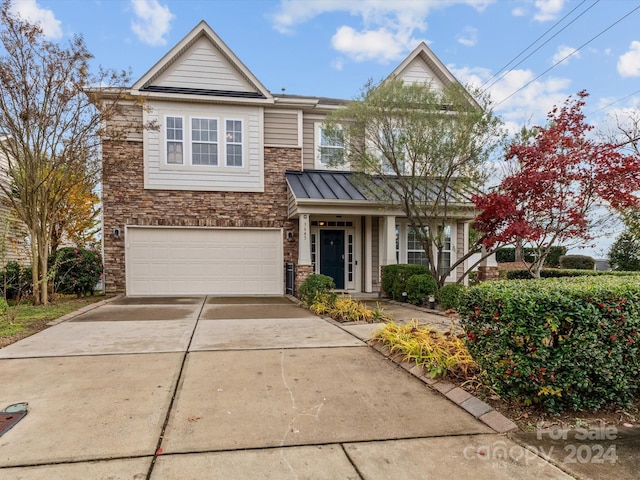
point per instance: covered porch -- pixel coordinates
(346, 233)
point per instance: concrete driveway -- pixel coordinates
(234, 388)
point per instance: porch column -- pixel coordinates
(389, 241)
(304, 240)
(368, 255)
(488, 269)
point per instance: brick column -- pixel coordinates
(302, 272)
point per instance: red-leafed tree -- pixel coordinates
(565, 179)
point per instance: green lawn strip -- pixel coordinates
(29, 315)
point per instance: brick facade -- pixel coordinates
(126, 202)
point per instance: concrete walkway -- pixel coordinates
(251, 388)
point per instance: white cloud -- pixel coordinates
(30, 11)
(153, 21)
(389, 29)
(381, 44)
(529, 105)
(562, 52)
(469, 38)
(629, 63)
(548, 9)
(518, 12)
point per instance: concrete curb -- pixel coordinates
(82, 310)
(473, 405)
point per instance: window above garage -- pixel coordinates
(204, 147)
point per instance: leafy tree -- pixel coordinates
(421, 149)
(50, 128)
(565, 177)
(624, 254)
(78, 217)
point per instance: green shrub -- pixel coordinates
(420, 287)
(577, 262)
(562, 343)
(317, 288)
(76, 270)
(3, 307)
(557, 273)
(18, 281)
(508, 255)
(450, 296)
(395, 277)
(625, 253)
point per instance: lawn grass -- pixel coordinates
(24, 319)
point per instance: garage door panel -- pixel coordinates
(196, 261)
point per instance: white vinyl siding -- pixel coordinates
(203, 261)
(419, 72)
(203, 66)
(244, 173)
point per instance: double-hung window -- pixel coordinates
(415, 252)
(329, 147)
(444, 256)
(175, 141)
(233, 137)
(204, 141)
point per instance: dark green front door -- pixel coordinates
(332, 255)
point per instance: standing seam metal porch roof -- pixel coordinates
(344, 186)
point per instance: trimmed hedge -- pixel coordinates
(559, 273)
(577, 262)
(451, 296)
(508, 255)
(420, 288)
(562, 343)
(395, 277)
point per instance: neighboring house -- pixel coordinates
(234, 184)
(14, 244)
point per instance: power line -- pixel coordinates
(612, 103)
(540, 46)
(567, 56)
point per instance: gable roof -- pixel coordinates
(422, 65)
(202, 64)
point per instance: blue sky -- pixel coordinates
(332, 47)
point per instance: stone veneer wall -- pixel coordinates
(126, 202)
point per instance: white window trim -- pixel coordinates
(241, 143)
(403, 236)
(318, 164)
(187, 145)
(191, 141)
(167, 141)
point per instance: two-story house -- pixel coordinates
(234, 184)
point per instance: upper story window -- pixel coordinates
(233, 137)
(329, 148)
(175, 141)
(204, 141)
(198, 141)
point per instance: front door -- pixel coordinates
(332, 255)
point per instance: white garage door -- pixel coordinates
(202, 261)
